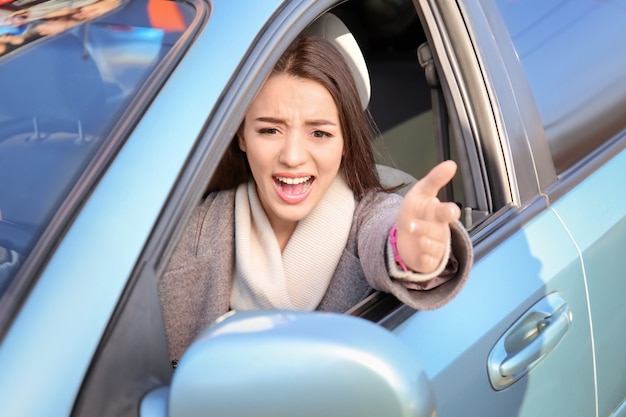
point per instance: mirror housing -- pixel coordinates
(283, 363)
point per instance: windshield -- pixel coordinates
(68, 71)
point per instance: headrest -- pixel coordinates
(333, 29)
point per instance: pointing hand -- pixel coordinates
(424, 221)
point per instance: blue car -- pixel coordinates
(114, 115)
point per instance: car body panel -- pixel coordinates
(503, 284)
(595, 215)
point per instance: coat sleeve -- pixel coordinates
(376, 214)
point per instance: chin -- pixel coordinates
(294, 215)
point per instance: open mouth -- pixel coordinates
(294, 186)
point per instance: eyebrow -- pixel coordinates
(314, 122)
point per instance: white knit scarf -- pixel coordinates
(298, 278)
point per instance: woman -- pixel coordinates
(296, 217)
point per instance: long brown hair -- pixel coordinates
(314, 58)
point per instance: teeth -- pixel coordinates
(293, 180)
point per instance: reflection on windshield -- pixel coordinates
(23, 21)
(61, 97)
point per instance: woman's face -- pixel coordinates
(293, 142)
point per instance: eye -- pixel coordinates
(268, 131)
(320, 134)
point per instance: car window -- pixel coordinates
(570, 52)
(70, 71)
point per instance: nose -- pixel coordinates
(293, 152)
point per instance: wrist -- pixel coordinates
(393, 242)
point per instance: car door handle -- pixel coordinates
(533, 336)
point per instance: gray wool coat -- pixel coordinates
(195, 289)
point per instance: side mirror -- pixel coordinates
(290, 363)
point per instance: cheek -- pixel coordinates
(259, 157)
(330, 160)
(339, 153)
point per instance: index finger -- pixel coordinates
(436, 179)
